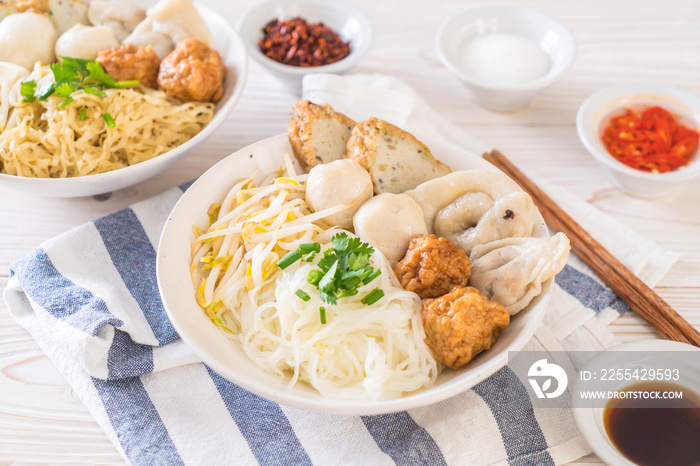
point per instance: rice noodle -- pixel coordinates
(362, 352)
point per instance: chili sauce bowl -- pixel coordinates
(596, 112)
(346, 20)
(516, 84)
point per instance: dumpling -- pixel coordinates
(336, 183)
(473, 207)
(162, 44)
(475, 218)
(86, 42)
(389, 222)
(27, 38)
(511, 271)
(176, 19)
(121, 17)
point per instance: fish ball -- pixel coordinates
(389, 222)
(27, 38)
(336, 183)
(86, 42)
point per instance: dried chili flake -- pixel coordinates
(299, 43)
(652, 141)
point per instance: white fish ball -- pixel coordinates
(27, 38)
(389, 222)
(339, 182)
(86, 42)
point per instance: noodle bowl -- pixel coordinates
(228, 358)
(43, 140)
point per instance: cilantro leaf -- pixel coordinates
(75, 74)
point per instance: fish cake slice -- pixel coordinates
(395, 159)
(317, 133)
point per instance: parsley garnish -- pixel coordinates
(74, 74)
(340, 271)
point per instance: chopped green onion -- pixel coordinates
(348, 293)
(83, 113)
(109, 120)
(310, 257)
(314, 277)
(350, 283)
(27, 90)
(323, 315)
(373, 296)
(302, 295)
(371, 276)
(309, 247)
(289, 259)
(69, 100)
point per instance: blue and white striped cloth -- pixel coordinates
(90, 299)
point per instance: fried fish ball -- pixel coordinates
(462, 324)
(432, 266)
(129, 62)
(193, 72)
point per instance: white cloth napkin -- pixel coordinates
(89, 297)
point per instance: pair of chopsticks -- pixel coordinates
(638, 296)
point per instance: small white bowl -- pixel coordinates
(349, 22)
(596, 111)
(229, 359)
(546, 32)
(229, 44)
(589, 418)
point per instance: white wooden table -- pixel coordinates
(41, 421)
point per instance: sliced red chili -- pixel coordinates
(652, 141)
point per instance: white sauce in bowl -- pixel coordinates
(504, 58)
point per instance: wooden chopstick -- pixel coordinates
(638, 296)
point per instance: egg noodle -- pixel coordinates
(362, 351)
(43, 140)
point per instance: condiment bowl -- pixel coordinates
(349, 22)
(547, 33)
(229, 44)
(654, 354)
(597, 110)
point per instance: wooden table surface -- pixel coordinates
(41, 421)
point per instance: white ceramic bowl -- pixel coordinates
(596, 111)
(229, 360)
(233, 52)
(548, 33)
(589, 418)
(349, 22)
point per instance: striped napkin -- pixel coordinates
(89, 297)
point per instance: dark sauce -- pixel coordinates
(656, 432)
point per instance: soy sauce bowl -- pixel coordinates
(590, 416)
(597, 110)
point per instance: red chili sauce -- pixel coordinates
(652, 141)
(299, 43)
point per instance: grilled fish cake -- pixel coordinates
(395, 159)
(317, 133)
